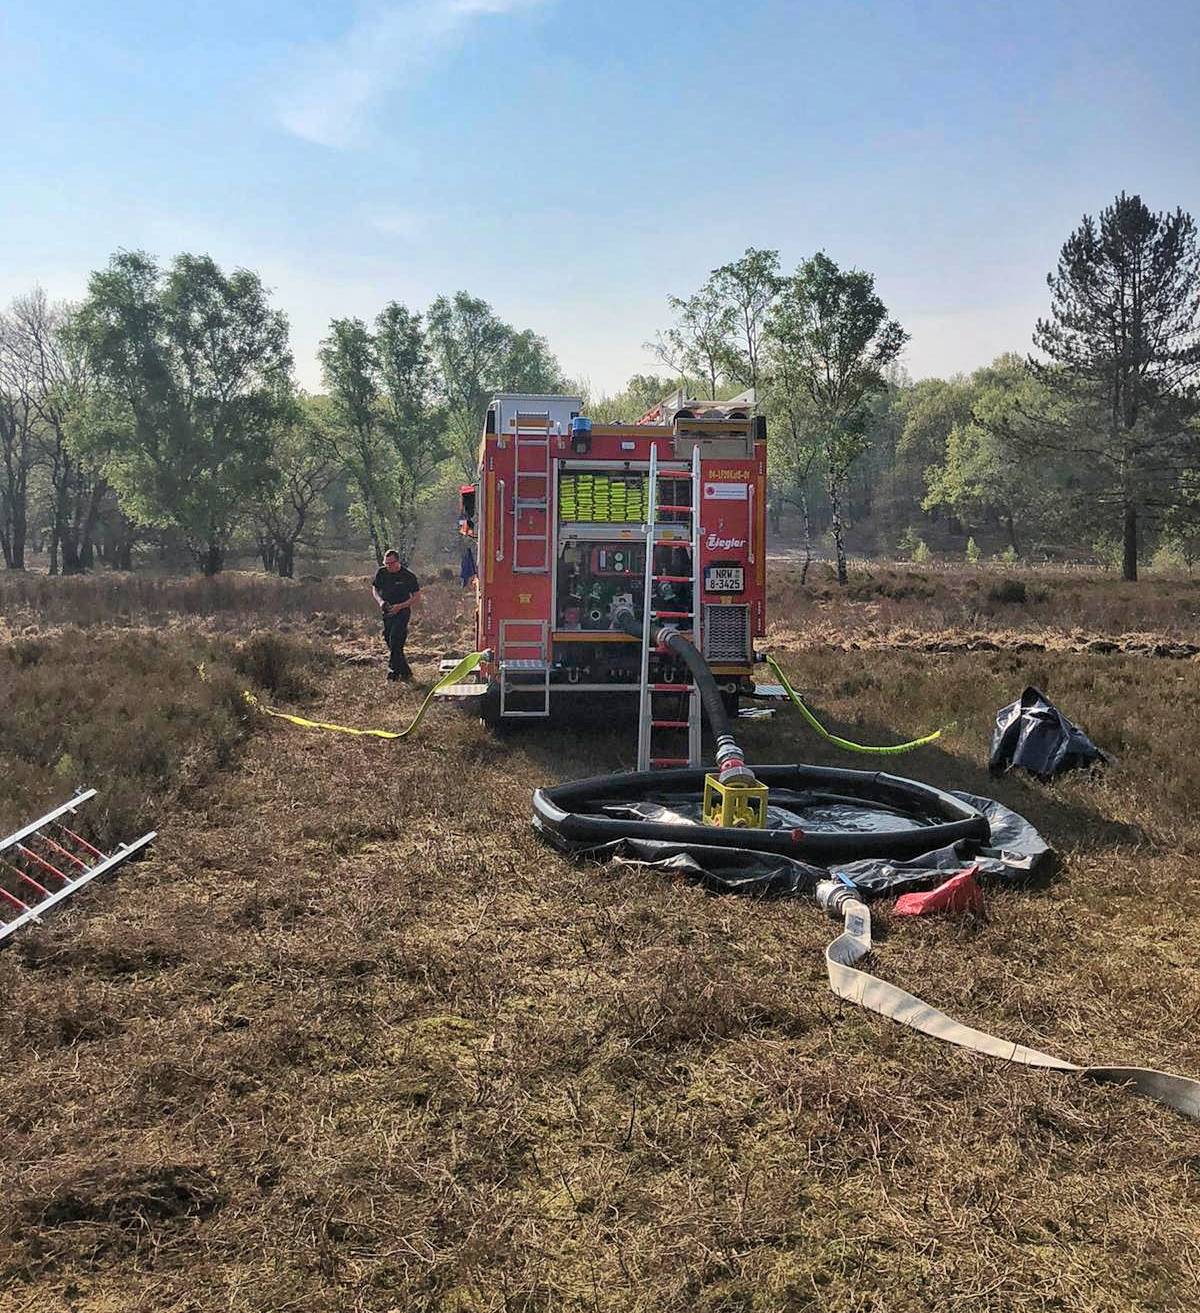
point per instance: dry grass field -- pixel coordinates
(352, 1040)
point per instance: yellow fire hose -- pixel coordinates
(471, 662)
(833, 738)
(460, 672)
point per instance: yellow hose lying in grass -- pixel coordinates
(833, 738)
(460, 672)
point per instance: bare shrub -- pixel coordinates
(1008, 591)
(232, 600)
(125, 713)
(279, 664)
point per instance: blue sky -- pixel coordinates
(577, 162)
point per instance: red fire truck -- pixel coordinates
(577, 524)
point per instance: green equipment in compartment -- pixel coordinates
(599, 498)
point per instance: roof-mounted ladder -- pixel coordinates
(532, 528)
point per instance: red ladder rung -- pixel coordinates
(672, 578)
(12, 898)
(671, 688)
(21, 875)
(83, 843)
(668, 761)
(669, 724)
(62, 852)
(42, 863)
(679, 510)
(671, 615)
(33, 884)
(25, 878)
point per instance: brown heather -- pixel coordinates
(352, 1040)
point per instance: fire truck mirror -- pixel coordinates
(466, 509)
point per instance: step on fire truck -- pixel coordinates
(576, 523)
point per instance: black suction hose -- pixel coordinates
(731, 764)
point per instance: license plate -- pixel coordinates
(724, 579)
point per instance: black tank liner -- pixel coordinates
(879, 832)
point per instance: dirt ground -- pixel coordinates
(353, 1039)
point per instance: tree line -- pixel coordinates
(1093, 440)
(162, 409)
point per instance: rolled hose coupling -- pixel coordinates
(833, 896)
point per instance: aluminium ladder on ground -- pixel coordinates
(524, 645)
(650, 718)
(45, 863)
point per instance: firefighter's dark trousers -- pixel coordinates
(395, 632)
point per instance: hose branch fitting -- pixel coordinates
(731, 764)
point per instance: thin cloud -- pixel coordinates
(403, 223)
(332, 88)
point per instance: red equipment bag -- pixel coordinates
(959, 894)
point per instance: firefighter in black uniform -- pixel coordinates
(397, 591)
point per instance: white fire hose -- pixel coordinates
(855, 986)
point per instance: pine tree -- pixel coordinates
(1123, 343)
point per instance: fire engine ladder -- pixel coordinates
(524, 668)
(525, 644)
(533, 545)
(651, 719)
(44, 863)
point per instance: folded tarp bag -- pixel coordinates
(1034, 735)
(959, 894)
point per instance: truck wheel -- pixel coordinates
(489, 707)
